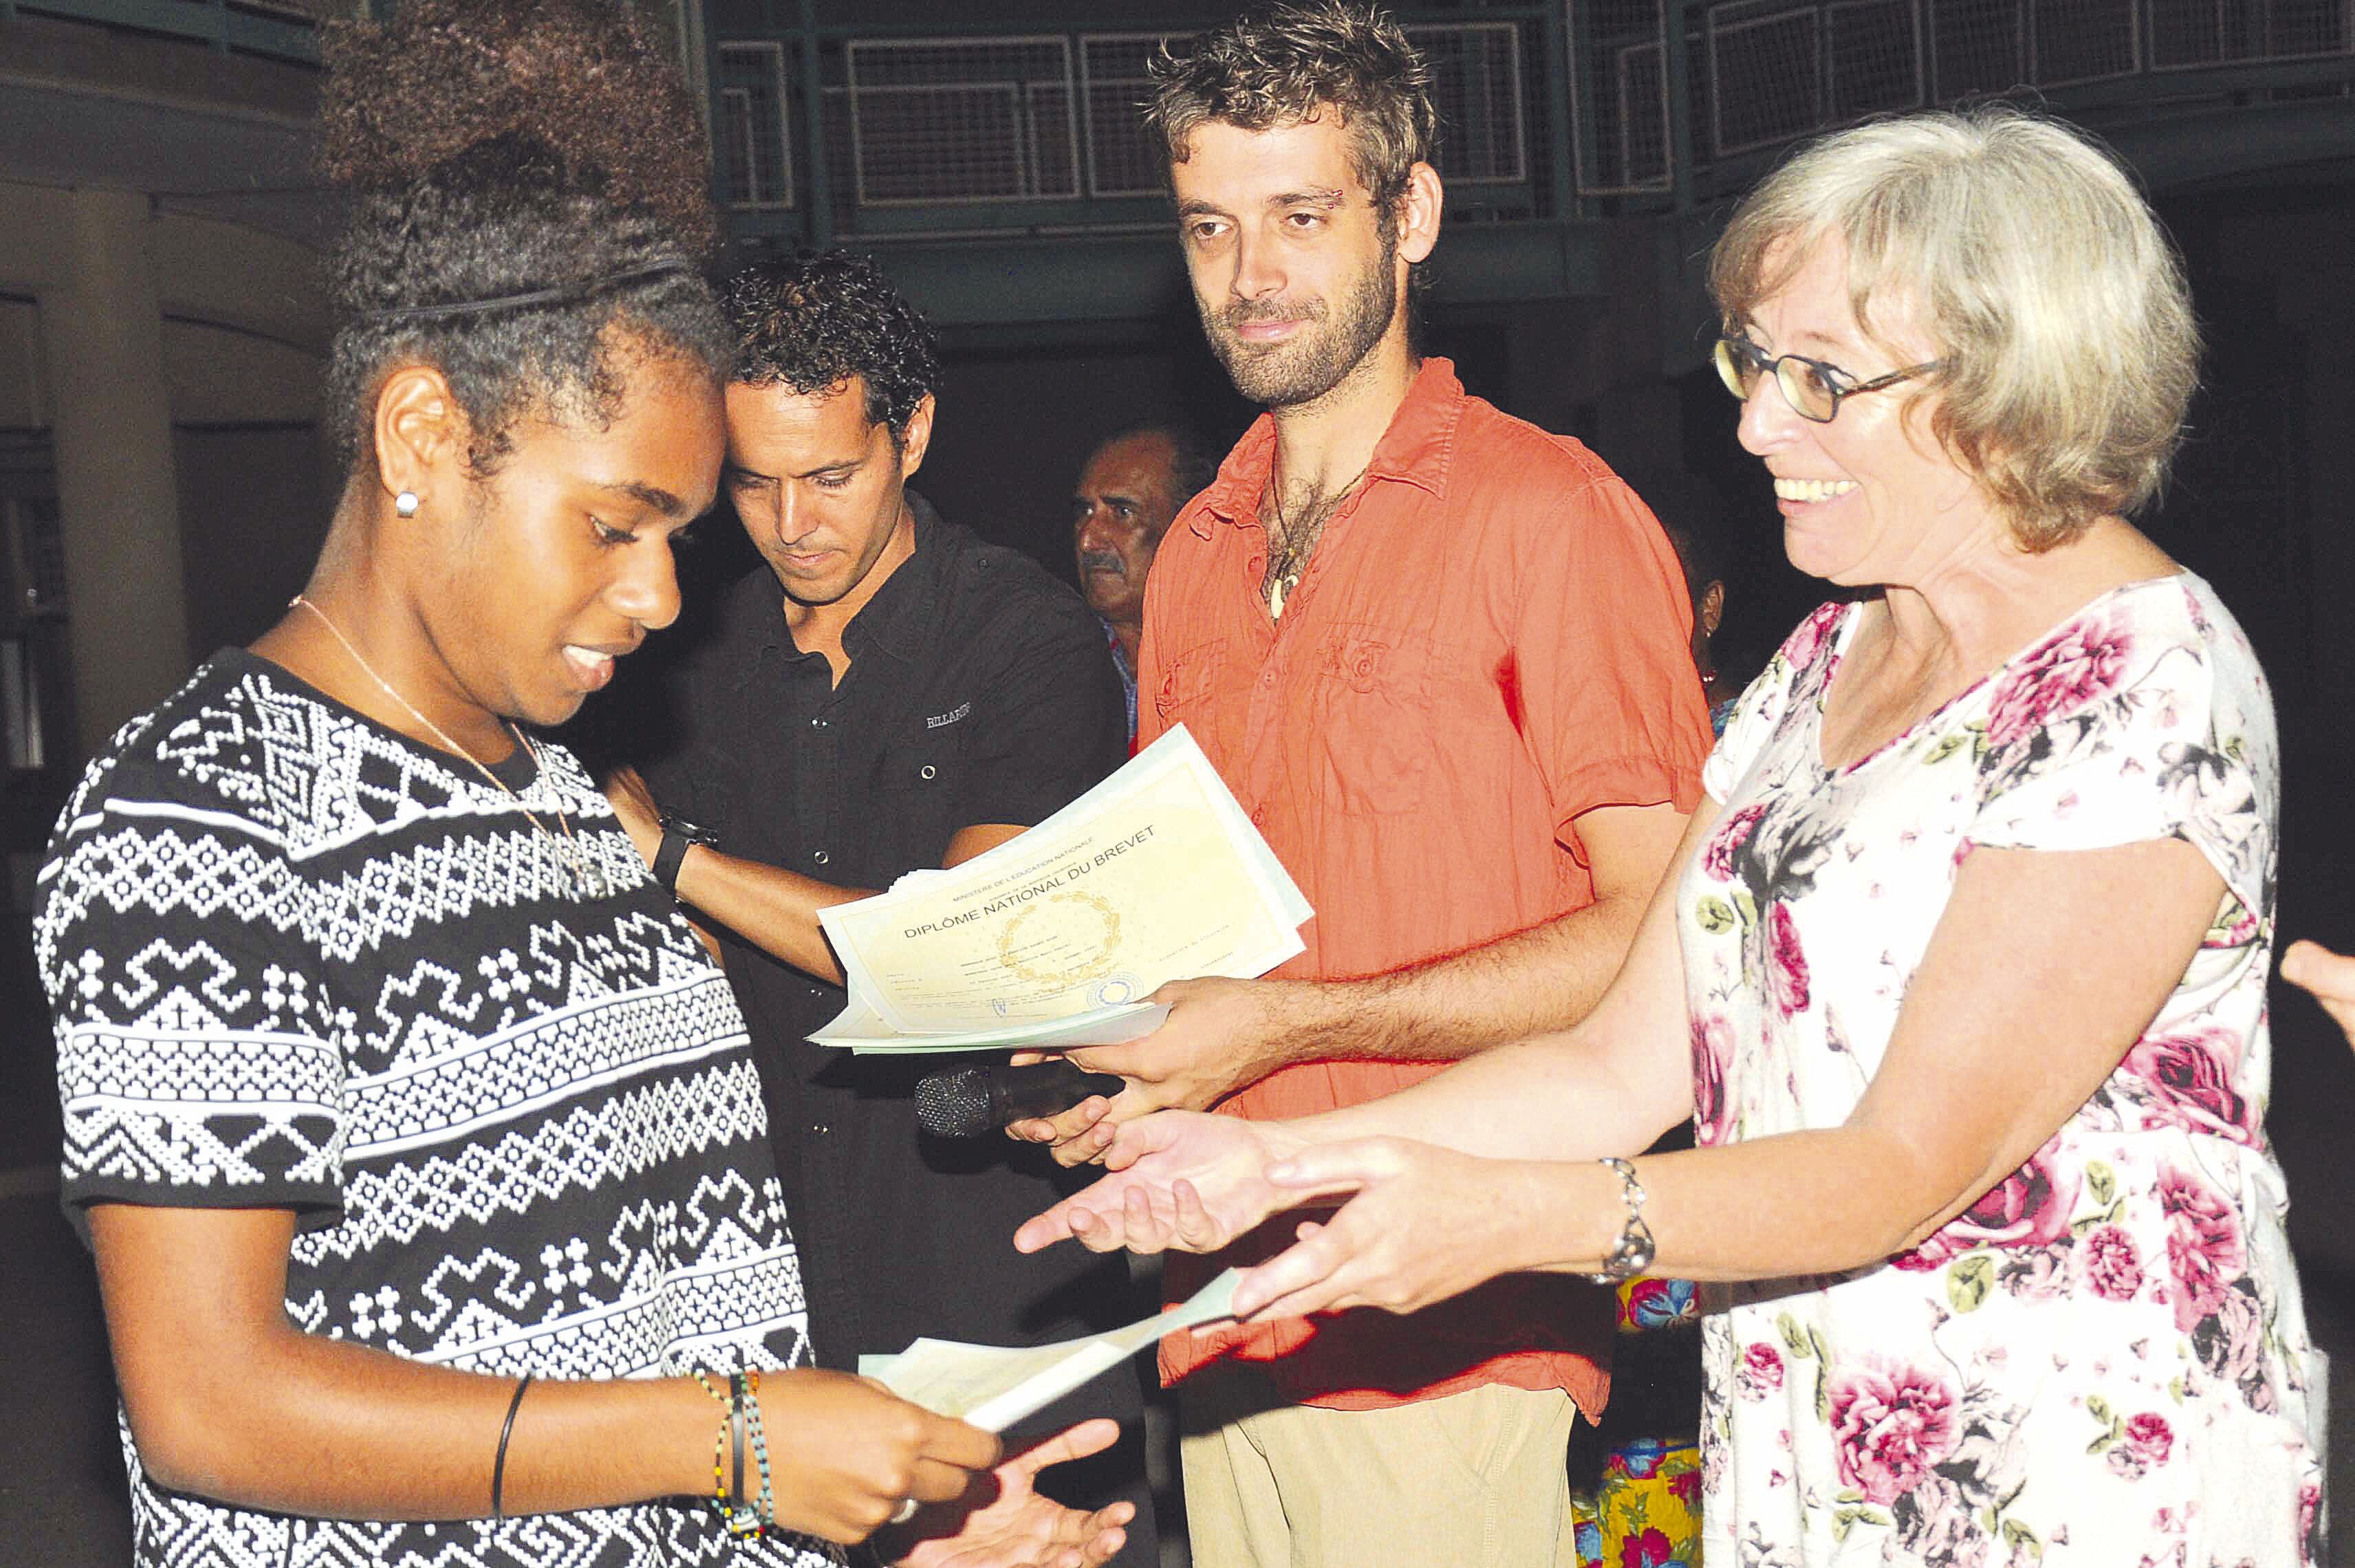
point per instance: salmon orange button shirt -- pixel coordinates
(1491, 640)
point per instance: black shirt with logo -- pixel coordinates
(978, 691)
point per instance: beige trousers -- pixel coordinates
(1479, 1480)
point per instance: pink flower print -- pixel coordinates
(2144, 1447)
(1786, 964)
(2204, 1252)
(2030, 1208)
(1647, 1548)
(1717, 858)
(1761, 1372)
(1934, 1525)
(1799, 649)
(2078, 663)
(2110, 1263)
(1891, 1425)
(1685, 1487)
(2150, 1437)
(1712, 1052)
(2192, 1075)
(2230, 1344)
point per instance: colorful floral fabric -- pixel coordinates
(1646, 1511)
(2104, 1360)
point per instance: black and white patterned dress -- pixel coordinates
(295, 960)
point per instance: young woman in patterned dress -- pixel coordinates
(1962, 969)
(417, 1137)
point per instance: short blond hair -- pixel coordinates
(2028, 256)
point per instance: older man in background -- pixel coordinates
(1128, 492)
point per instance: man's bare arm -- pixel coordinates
(1224, 1034)
(769, 906)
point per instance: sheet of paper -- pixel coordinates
(859, 1028)
(994, 1386)
(1153, 875)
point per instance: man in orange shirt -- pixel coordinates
(1441, 658)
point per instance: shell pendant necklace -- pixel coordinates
(585, 879)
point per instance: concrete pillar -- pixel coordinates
(111, 421)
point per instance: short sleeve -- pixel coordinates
(197, 1063)
(1758, 711)
(2119, 729)
(1612, 706)
(1058, 721)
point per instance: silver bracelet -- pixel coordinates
(1631, 1254)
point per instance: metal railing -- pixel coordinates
(993, 130)
(1757, 74)
(1549, 111)
(284, 30)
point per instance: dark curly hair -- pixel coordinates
(503, 147)
(812, 321)
(1282, 65)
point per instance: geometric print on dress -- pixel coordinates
(445, 1086)
(296, 961)
(616, 1140)
(194, 1112)
(558, 970)
(576, 1309)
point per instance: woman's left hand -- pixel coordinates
(1426, 1223)
(1018, 1527)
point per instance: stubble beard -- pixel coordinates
(1317, 360)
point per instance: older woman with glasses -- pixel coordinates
(1962, 968)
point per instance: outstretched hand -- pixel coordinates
(1425, 1224)
(1003, 1521)
(2331, 977)
(1180, 1179)
(1220, 1035)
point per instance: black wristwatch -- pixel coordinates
(678, 834)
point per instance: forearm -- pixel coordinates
(1555, 1097)
(1546, 977)
(328, 1429)
(1803, 1203)
(1610, 1085)
(775, 909)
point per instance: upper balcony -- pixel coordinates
(981, 150)
(1002, 164)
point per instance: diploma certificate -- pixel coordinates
(1058, 936)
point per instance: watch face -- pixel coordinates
(692, 832)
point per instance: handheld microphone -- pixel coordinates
(971, 1101)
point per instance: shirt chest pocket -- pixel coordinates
(1374, 693)
(1199, 690)
(919, 779)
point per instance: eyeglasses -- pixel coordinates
(1813, 389)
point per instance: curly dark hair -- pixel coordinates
(1282, 66)
(502, 147)
(812, 321)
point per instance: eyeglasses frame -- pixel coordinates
(1742, 350)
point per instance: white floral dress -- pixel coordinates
(2104, 1360)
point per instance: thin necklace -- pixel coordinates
(585, 881)
(1285, 571)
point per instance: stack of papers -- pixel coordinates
(994, 1386)
(1057, 937)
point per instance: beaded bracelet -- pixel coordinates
(729, 1499)
(765, 1508)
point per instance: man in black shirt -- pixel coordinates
(912, 697)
